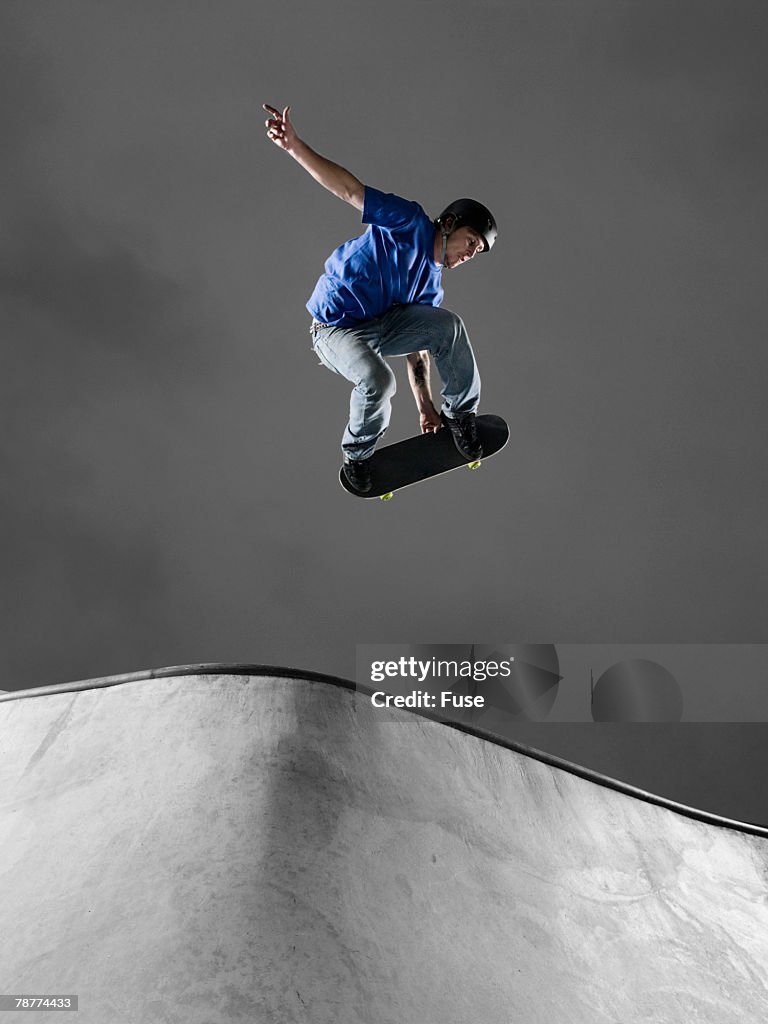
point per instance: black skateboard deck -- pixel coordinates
(426, 455)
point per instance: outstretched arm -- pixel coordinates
(418, 377)
(330, 175)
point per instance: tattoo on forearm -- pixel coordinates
(419, 374)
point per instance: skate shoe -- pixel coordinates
(358, 473)
(464, 431)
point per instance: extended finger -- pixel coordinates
(271, 110)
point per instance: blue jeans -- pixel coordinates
(359, 353)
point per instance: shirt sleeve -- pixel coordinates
(388, 210)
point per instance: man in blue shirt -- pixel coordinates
(380, 296)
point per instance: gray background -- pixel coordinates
(170, 445)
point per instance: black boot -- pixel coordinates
(358, 473)
(464, 431)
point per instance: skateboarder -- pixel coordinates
(380, 296)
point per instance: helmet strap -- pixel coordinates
(445, 245)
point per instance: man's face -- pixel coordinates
(463, 244)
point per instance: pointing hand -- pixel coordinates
(279, 127)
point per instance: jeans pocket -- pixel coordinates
(322, 357)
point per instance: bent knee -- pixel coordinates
(451, 322)
(380, 385)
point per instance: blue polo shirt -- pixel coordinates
(392, 263)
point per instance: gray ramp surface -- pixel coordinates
(213, 847)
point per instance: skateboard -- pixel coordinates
(426, 455)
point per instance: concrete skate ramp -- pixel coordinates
(213, 847)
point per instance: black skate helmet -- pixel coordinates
(469, 213)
